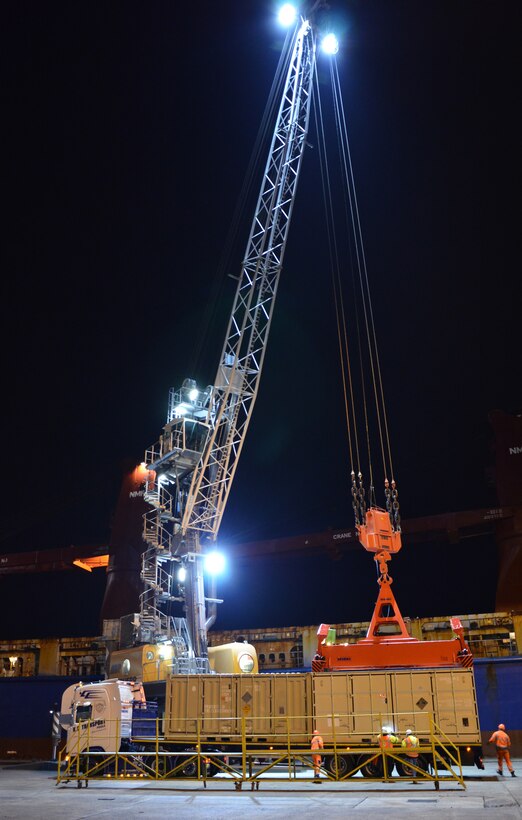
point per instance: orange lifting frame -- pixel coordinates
(381, 648)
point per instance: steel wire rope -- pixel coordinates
(365, 287)
(342, 136)
(335, 272)
(355, 264)
(251, 175)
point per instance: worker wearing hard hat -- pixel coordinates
(317, 744)
(410, 744)
(502, 741)
(387, 738)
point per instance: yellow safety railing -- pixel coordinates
(249, 757)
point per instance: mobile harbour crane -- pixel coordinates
(188, 473)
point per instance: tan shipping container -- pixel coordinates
(220, 703)
(346, 707)
(353, 706)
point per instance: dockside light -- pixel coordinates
(330, 44)
(214, 563)
(287, 14)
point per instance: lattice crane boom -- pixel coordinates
(237, 379)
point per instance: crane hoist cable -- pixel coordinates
(363, 273)
(357, 487)
(346, 375)
(358, 257)
(390, 486)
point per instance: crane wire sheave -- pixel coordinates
(237, 380)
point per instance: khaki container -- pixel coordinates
(215, 706)
(348, 708)
(353, 706)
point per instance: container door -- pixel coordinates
(217, 708)
(182, 705)
(413, 701)
(290, 704)
(255, 703)
(456, 706)
(372, 704)
(333, 706)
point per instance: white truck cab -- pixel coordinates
(98, 716)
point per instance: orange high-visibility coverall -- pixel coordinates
(502, 741)
(317, 743)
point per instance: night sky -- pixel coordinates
(129, 128)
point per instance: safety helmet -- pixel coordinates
(408, 731)
(502, 727)
(316, 731)
(385, 730)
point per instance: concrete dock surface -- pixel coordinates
(29, 793)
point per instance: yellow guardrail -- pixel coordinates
(245, 759)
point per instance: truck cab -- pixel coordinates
(97, 716)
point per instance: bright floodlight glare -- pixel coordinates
(182, 574)
(180, 410)
(193, 394)
(214, 563)
(287, 14)
(330, 44)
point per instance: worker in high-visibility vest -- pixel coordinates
(410, 744)
(387, 738)
(317, 744)
(502, 741)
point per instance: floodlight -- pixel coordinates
(165, 650)
(193, 394)
(182, 574)
(181, 410)
(214, 563)
(287, 14)
(330, 44)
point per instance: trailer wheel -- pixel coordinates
(339, 765)
(189, 767)
(371, 766)
(404, 768)
(165, 763)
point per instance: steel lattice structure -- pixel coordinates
(192, 466)
(237, 379)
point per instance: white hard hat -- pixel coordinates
(408, 731)
(385, 730)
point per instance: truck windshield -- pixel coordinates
(83, 712)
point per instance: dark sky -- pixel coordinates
(129, 129)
